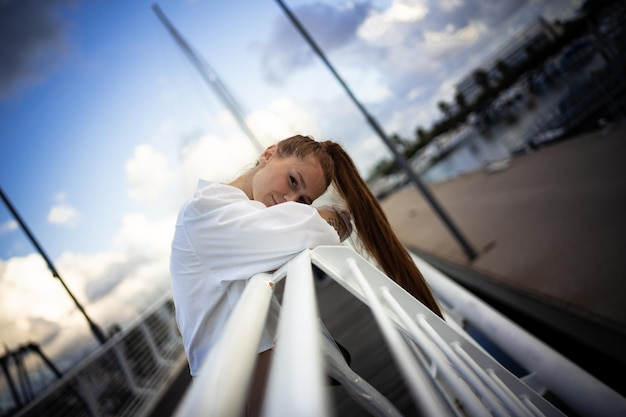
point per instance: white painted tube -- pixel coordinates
(297, 377)
(222, 387)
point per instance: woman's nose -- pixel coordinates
(292, 196)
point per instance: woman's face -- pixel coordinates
(281, 179)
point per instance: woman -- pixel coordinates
(228, 232)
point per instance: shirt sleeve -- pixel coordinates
(227, 229)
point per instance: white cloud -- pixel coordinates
(8, 226)
(30, 293)
(79, 271)
(449, 5)
(215, 158)
(147, 174)
(113, 286)
(407, 11)
(415, 93)
(226, 151)
(139, 235)
(63, 214)
(281, 119)
(369, 85)
(380, 23)
(450, 39)
(61, 196)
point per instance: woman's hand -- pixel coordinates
(338, 218)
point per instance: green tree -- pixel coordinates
(422, 135)
(503, 68)
(400, 143)
(445, 108)
(460, 100)
(531, 53)
(383, 168)
(481, 78)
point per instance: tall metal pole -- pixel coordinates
(210, 76)
(466, 246)
(98, 333)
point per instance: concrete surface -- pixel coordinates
(552, 225)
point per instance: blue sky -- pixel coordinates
(105, 126)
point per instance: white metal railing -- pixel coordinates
(424, 393)
(548, 370)
(297, 371)
(447, 372)
(124, 377)
(459, 400)
(223, 390)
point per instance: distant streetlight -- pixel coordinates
(467, 248)
(93, 326)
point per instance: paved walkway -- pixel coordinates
(553, 224)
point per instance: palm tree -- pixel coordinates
(445, 108)
(481, 78)
(460, 100)
(503, 68)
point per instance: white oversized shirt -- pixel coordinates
(223, 238)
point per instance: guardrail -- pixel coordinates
(446, 371)
(125, 377)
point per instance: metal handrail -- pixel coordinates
(578, 389)
(425, 395)
(446, 371)
(223, 390)
(443, 336)
(295, 386)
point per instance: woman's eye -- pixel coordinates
(293, 181)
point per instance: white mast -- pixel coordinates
(211, 77)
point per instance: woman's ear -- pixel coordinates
(267, 154)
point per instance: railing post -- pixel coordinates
(296, 384)
(222, 387)
(427, 399)
(465, 396)
(577, 388)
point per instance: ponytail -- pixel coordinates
(374, 230)
(371, 224)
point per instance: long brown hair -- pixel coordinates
(370, 221)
